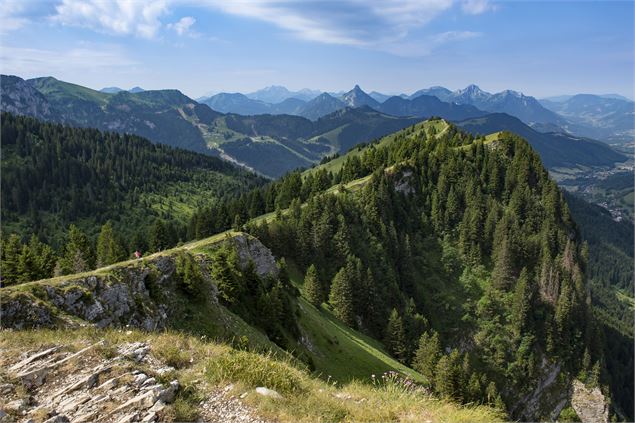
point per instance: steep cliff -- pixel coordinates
(144, 294)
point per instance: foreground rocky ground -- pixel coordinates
(87, 374)
(55, 384)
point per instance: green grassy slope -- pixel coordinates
(339, 352)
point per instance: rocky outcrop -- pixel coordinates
(589, 403)
(134, 294)
(20, 97)
(119, 298)
(122, 378)
(81, 386)
(251, 249)
(403, 183)
(547, 398)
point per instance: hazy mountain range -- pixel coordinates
(577, 114)
(114, 90)
(275, 138)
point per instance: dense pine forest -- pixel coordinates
(55, 175)
(460, 241)
(458, 253)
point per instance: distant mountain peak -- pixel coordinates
(512, 93)
(357, 98)
(136, 89)
(472, 89)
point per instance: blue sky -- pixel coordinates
(541, 48)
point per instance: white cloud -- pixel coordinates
(123, 17)
(183, 25)
(476, 7)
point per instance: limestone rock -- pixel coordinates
(251, 249)
(589, 404)
(268, 392)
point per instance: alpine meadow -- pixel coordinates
(202, 249)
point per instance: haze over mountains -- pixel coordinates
(114, 90)
(605, 117)
(273, 139)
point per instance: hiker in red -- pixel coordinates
(137, 254)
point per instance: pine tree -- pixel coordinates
(372, 306)
(44, 257)
(238, 223)
(414, 325)
(448, 376)
(522, 304)
(159, 236)
(427, 355)
(78, 254)
(109, 249)
(11, 251)
(312, 287)
(502, 274)
(224, 274)
(283, 273)
(341, 297)
(395, 338)
(27, 266)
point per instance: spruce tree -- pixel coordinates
(27, 266)
(11, 251)
(395, 338)
(78, 255)
(448, 376)
(225, 275)
(522, 304)
(109, 249)
(44, 257)
(312, 287)
(427, 355)
(341, 297)
(159, 237)
(502, 274)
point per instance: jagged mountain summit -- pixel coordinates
(526, 108)
(358, 98)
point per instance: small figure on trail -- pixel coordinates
(137, 254)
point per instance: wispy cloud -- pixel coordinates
(476, 7)
(31, 61)
(17, 14)
(347, 22)
(427, 45)
(385, 25)
(11, 16)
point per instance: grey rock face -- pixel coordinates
(251, 249)
(589, 404)
(135, 294)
